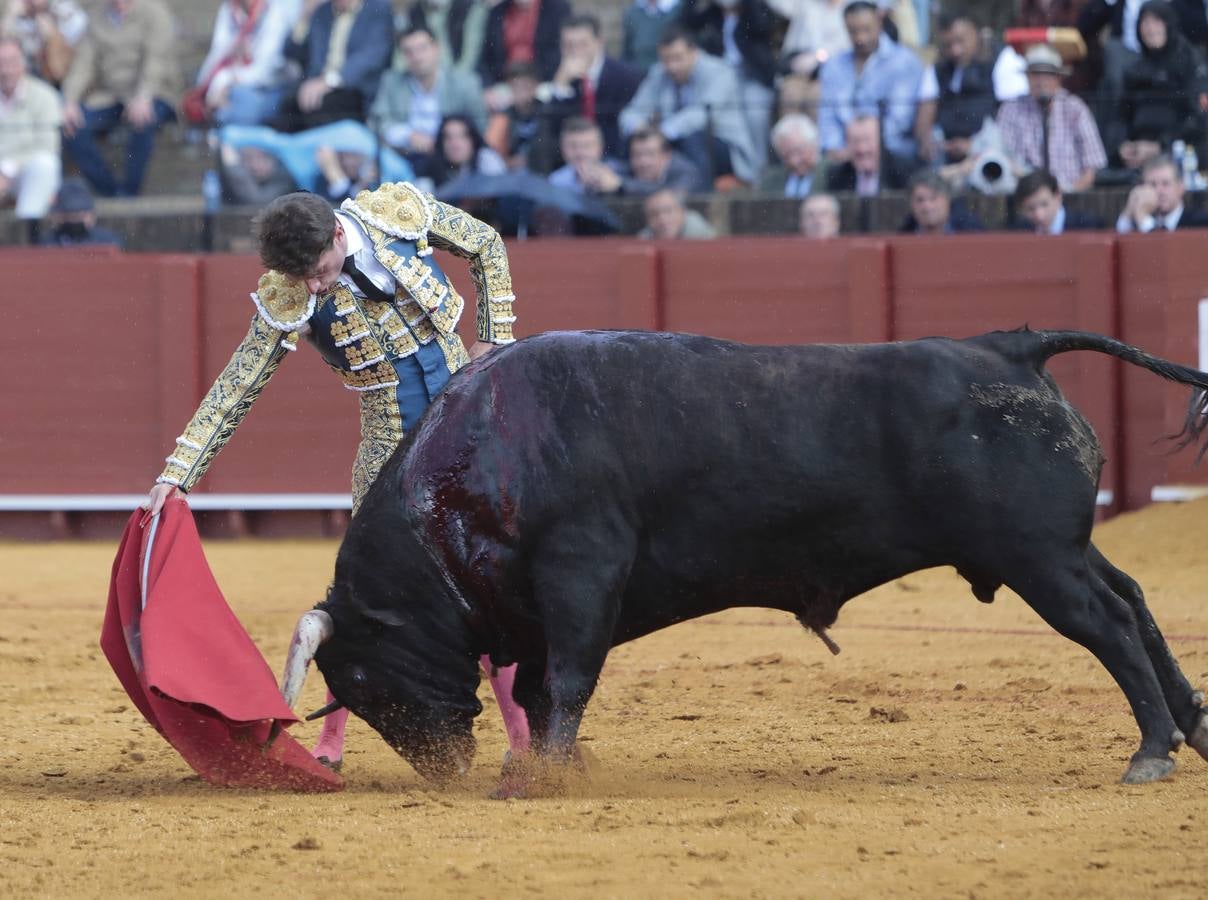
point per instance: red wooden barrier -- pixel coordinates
(1162, 280)
(975, 283)
(107, 355)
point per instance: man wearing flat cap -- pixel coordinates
(73, 219)
(1051, 128)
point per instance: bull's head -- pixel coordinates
(397, 677)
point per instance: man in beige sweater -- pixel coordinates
(30, 115)
(124, 69)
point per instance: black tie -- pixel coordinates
(361, 280)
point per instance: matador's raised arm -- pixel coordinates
(461, 234)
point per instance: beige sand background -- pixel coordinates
(953, 749)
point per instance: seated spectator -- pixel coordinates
(586, 170)
(73, 219)
(932, 209)
(876, 77)
(744, 34)
(1062, 14)
(521, 133)
(30, 115)
(693, 99)
(869, 170)
(124, 70)
(589, 83)
(48, 31)
(522, 31)
(1039, 207)
(797, 94)
(667, 218)
(1156, 204)
(653, 166)
(344, 173)
(801, 171)
(460, 27)
(963, 89)
(460, 150)
(1051, 128)
(815, 33)
(1162, 89)
(641, 26)
(343, 48)
(299, 152)
(411, 103)
(819, 217)
(243, 77)
(251, 176)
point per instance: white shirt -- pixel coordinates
(361, 252)
(1171, 221)
(1010, 78)
(1057, 226)
(1128, 32)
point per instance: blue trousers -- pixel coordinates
(100, 121)
(421, 377)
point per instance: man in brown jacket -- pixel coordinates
(124, 69)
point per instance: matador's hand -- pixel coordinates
(159, 496)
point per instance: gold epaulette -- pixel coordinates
(397, 208)
(284, 303)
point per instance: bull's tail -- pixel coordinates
(1053, 342)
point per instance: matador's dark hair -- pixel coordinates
(293, 231)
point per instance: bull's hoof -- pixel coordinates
(529, 775)
(1198, 739)
(327, 763)
(1147, 769)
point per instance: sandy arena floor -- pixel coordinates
(953, 749)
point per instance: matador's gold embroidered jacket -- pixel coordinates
(362, 340)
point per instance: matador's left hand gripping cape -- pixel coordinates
(362, 340)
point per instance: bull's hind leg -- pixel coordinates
(1184, 702)
(1079, 605)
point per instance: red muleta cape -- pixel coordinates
(190, 667)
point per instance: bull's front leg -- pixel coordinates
(555, 708)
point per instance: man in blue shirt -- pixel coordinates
(876, 77)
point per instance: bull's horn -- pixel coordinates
(313, 629)
(325, 710)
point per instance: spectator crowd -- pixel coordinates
(518, 110)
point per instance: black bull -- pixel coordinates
(578, 490)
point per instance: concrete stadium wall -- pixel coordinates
(109, 354)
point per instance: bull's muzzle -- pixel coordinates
(314, 628)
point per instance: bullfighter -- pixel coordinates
(360, 285)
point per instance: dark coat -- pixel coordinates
(1098, 14)
(370, 46)
(1162, 88)
(547, 41)
(1192, 218)
(756, 34)
(551, 505)
(618, 83)
(895, 172)
(960, 220)
(1075, 220)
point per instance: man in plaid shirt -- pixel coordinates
(1051, 122)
